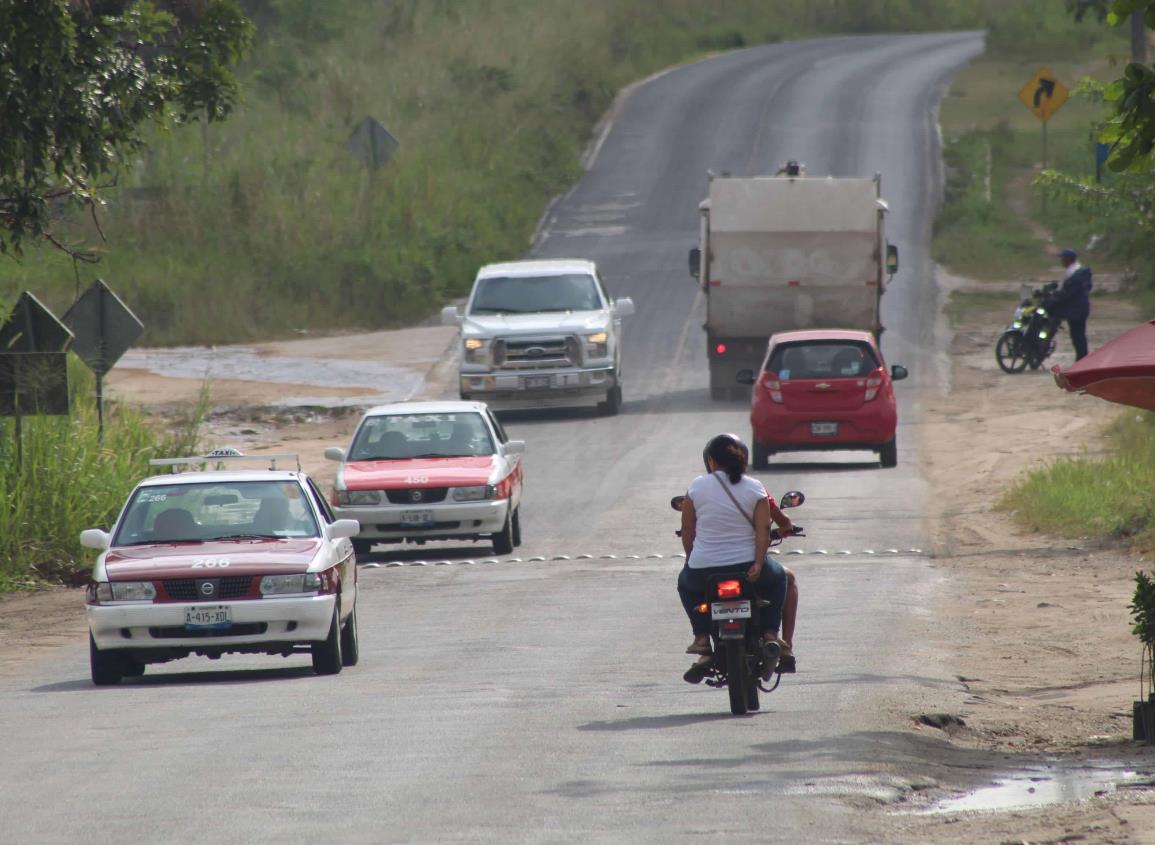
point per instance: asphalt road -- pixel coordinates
(542, 700)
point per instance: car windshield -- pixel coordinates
(536, 294)
(203, 512)
(396, 437)
(822, 360)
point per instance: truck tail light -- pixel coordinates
(720, 349)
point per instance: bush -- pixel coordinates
(68, 481)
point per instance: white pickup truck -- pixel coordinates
(541, 334)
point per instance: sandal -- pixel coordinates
(698, 671)
(699, 648)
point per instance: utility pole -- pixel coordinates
(1138, 39)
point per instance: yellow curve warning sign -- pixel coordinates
(1044, 94)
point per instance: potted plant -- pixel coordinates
(1143, 613)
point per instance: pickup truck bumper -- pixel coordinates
(539, 388)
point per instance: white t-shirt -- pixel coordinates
(723, 536)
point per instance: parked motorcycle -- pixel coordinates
(740, 659)
(1030, 338)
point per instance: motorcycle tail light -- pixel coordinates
(731, 626)
(729, 589)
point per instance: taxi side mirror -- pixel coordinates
(94, 538)
(334, 453)
(514, 447)
(898, 372)
(696, 262)
(891, 259)
(344, 528)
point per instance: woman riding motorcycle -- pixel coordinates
(726, 528)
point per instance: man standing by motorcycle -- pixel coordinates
(1072, 301)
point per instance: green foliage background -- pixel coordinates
(265, 224)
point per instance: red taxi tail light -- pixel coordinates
(873, 383)
(504, 488)
(729, 589)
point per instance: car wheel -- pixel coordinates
(888, 454)
(759, 454)
(517, 528)
(350, 647)
(503, 540)
(132, 668)
(361, 548)
(107, 667)
(327, 652)
(612, 403)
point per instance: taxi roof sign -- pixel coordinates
(1044, 94)
(228, 453)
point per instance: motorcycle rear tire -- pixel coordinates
(752, 703)
(737, 676)
(1010, 352)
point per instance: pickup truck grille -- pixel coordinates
(537, 354)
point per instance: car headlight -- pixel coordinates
(473, 494)
(272, 585)
(358, 497)
(131, 591)
(473, 343)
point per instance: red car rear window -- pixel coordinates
(822, 360)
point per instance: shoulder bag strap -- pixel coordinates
(733, 499)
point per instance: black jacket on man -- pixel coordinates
(1072, 301)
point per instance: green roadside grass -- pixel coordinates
(1099, 497)
(68, 481)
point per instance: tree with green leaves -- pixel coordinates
(82, 80)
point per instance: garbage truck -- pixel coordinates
(781, 253)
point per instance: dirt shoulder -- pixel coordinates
(1037, 628)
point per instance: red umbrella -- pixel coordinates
(1123, 371)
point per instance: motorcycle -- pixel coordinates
(1030, 338)
(740, 659)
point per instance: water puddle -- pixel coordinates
(380, 382)
(1046, 785)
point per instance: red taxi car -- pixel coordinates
(219, 562)
(821, 390)
(420, 471)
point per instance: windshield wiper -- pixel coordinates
(499, 311)
(159, 542)
(248, 537)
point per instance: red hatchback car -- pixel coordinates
(823, 389)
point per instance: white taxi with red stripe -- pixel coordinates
(218, 562)
(420, 471)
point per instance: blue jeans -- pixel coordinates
(771, 586)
